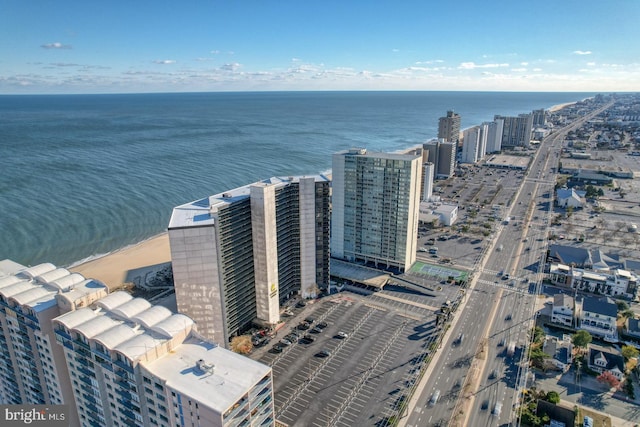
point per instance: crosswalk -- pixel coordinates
(505, 286)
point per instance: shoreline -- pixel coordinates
(132, 261)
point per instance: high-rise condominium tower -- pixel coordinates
(442, 154)
(32, 367)
(516, 131)
(116, 360)
(238, 255)
(375, 202)
(449, 127)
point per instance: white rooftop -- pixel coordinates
(202, 212)
(115, 323)
(220, 387)
(37, 287)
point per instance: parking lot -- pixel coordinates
(360, 368)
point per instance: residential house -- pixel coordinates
(560, 352)
(598, 317)
(632, 328)
(602, 359)
(563, 310)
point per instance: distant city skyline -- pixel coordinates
(118, 47)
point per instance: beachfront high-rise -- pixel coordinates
(117, 360)
(32, 366)
(376, 198)
(449, 127)
(428, 170)
(516, 131)
(136, 364)
(494, 135)
(442, 154)
(238, 255)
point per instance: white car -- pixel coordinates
(342, 334)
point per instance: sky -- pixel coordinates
(139, 46)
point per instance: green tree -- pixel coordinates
(553, 397)
(629, 352)
(622, 306)
(581, 339)
(538, 334)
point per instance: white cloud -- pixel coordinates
(215, 52)
(56, 45)
(581, 52)
(233, 66)
(537, 70)
(591, 64)
(164, 61)
(524, 64)
(519, 70)
(473, 65)
(435, 61)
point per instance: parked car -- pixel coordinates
(323, 353)
(341, 334)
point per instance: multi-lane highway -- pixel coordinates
(476, 380)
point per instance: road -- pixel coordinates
(496, 311)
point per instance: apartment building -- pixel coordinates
(116, 360)
(32, 367)
(238, 255)
(375, 202)
(135, 364)
(516, 131)
(442, 154)
(449, 127)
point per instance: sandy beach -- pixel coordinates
(128, 264)
(560, 106)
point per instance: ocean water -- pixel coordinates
(84, 175)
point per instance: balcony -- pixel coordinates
(123, 365)
(86, 371)
(85, 379)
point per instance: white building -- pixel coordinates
(375, 204)
(428, 171)
(616, 282)
(494, 135)
(32, 366)
(471, 145)
(568, 197)
(134, 364)
(598, 317)
(563, 310)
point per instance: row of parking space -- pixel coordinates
(355, 375)
(399, 306)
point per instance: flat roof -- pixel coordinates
(359, 273)
(507, 161)
(228, 379)
(198, 212)
(363, 152)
